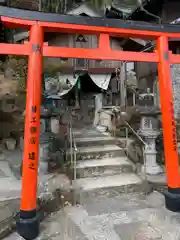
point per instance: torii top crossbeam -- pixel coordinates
(88, 25)
(16, 18)
(35, 49)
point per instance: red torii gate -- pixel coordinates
(35, 49)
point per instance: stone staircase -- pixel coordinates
(103, 167)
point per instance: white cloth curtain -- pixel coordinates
(60, 84)
(101, 80)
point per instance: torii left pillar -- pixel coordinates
(28, 222)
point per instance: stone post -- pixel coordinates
(98, 107)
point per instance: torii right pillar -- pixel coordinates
(172, 196)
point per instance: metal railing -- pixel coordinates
(135, 133)
(143, 148)
(73, 156)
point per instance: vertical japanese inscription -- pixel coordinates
(34, 109)
(32, 140)
(174, 138)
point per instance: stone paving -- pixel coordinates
(125, 217)
(10, 188)
(102, 214)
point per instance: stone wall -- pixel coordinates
(13, 74)
(175, 73)
(175, 77)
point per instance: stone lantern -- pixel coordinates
(149, 132)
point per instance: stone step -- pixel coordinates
(94, 141)
(103, 167)
(123, 142)
(8, 211)
(99, 152)
(86, 133)
(109, 186)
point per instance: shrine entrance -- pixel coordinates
(35, 49)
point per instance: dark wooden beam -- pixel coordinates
(90, 70)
